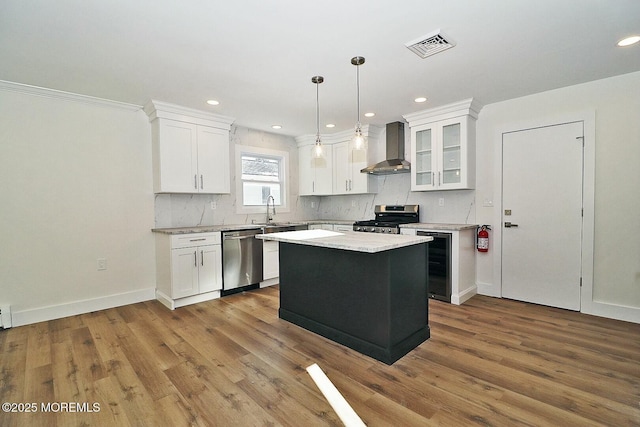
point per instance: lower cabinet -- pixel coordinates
(270, 260)
(188, 268)
(332, 227)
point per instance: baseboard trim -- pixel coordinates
(612, 311)
(461, 297)
(43, 314)
(172, 304)
(488, 289)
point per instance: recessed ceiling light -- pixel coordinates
(420, 99)
(212, 102)
(276, 126)
(330, 125)
(629, 41)
(369, 114)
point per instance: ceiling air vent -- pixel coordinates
(430, 44)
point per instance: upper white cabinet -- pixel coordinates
(339, 171)
(315, 174)
(347, 178)
(443, 147)
(190, 149)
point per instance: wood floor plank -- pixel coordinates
(291, 402)
(232, 361)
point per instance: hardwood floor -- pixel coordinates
(231, 361)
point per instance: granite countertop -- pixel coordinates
(439, 226)
(351, 241)
(331, 221)
(227, 227)
(205, 228)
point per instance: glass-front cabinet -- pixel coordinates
(443, 148)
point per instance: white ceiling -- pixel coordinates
(257, 57)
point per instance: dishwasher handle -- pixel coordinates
(232, 237)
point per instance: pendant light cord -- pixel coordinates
(358, 92)
(317, 111)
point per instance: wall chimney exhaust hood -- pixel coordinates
(395, 162)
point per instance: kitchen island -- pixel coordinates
(366, 291)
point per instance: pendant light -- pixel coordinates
(318, 151)
(358, 141)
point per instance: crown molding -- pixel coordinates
(66, 96)
(466, 107)
(159, 109)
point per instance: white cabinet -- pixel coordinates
(270, 260)
(321, 227)
(188, 268)
(190, 150)
(339, 172)
(347, 178)
(443, 147)
(315, 174)
(332, 227)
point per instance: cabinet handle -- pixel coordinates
(439, 178)
(346, 185)
(202, 257)
(195, 181)
(313, 188)
(350, 182)
(195, 258)
(433, 178)
(198, 240)
(201, 182)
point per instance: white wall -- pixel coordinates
(75, 185)
(616, 275)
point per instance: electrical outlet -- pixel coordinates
(353, 203)
(313, 204)
(102, 264)
(441, 201)
(214, 205)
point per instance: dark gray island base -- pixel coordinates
(375, 303)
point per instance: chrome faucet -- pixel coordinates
(273, 205)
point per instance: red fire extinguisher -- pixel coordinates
(483, 238)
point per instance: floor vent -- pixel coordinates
(5, 317)
(430, 44)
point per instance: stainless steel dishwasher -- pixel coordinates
(241, 260)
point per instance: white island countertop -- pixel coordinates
(350, 241)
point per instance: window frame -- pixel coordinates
(283, 157)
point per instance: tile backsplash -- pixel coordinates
(183, 210)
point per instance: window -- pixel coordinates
(261, 174)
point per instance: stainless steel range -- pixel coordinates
(388, 219)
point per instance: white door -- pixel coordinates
(542, 215)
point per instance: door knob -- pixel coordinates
(507, 224)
